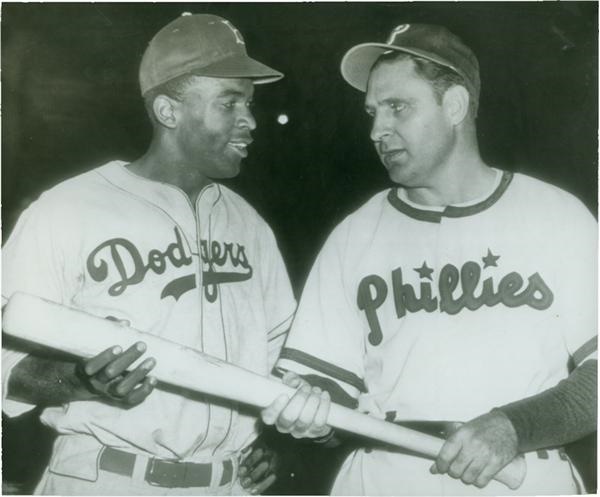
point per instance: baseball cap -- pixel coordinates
(201, 44)
(429, 41)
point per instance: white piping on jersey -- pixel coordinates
(198, 444)
(200, 441)
(230, 411)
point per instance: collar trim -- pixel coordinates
(450, 211)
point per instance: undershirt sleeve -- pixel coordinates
(559, 415)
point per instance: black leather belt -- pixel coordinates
(440, 429)
(163, 473)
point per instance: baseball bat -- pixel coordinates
(76, 332)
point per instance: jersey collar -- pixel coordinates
(451, 211)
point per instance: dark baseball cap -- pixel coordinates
(201, 44)
(428, 41)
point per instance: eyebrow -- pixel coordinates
(390, 100)
(396, 100)
(232, 93)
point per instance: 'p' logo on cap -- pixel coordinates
(235, 31)
(403, 28)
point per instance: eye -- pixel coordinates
(230, 104)
(398, 107)
(370, 112)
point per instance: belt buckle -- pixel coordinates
(167, 474)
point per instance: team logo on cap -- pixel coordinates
(403, 28)
(238, 36)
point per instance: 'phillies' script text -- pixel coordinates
(456, 291)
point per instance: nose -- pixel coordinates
(380, 127)
(246, 119)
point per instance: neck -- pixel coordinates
(464, 184)
(462, 177)
(160, 163)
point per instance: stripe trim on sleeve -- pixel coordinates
(324, 367)
(585, 350)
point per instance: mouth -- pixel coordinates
(389, 156)
(241, 147)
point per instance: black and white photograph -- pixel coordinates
(299, 248)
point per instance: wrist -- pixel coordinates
(82, 387)
(510, 421)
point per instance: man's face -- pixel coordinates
(410, 130)
(214, 125)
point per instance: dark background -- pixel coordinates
(70, 101)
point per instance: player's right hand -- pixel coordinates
(304, 415)
(105, 375)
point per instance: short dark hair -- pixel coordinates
(438, 76)
(174, 88)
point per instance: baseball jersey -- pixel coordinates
(424, 313)
(209, 276)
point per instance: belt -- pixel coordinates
(163, 473)
(440, 429)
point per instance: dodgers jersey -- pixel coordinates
(444, 313)
(209, 276)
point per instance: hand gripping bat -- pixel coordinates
(76, 332)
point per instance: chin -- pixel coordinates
(399, 175)
(231, 171)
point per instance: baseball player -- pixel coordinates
(160, 244)
(460, 303)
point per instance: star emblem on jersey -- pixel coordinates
(490, 259)
(424, 271)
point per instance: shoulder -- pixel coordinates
(372, 209)
(72, 194)
(242, 210)
(364, 220)
(81, 185)
(546, 197)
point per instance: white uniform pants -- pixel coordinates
(379, 472)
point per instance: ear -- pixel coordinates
(456, 103)
(165, 111)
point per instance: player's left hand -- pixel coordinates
(258, 468)
(478, 449)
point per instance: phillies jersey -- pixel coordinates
(424, 313)
(208, 276)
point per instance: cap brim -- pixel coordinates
(356, 65)
(240, 66)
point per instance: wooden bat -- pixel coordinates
(82, 334)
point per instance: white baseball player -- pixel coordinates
(460, 303)
(160, 244)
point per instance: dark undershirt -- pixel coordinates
(559, 415)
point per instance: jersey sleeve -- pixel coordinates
(278, 298)
(33, 263)
(578, 301)
(326, 337)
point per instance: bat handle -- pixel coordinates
(513, 474)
